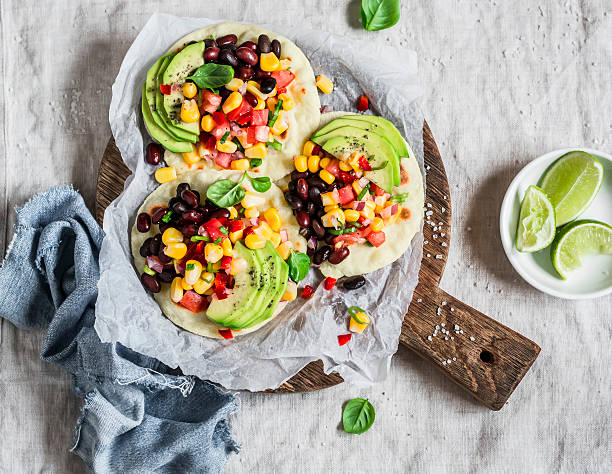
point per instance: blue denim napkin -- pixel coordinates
(136, 417)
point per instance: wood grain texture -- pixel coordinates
(490, 382)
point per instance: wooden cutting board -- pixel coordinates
(479, 354)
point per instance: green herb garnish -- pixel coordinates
(346, 230)
(224, 137)
(218, 240)
(148, 271)
(223, 230)
(261, 185)
(363, 192)
(226, 193)
(277, 109)
(379, 14)
(299, 264)
(238, 144)
(255, 162)
(212, 75)
(198, 238)
(167, 217)
(358, 416)
(190, 266)
(399, 197)
(278, 146)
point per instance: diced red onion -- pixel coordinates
(202, 231)
(336, 195)
(363, 181)
(394, 209)
(235, 129)
(229, 291)
(312, 242)
(366, 222)
(254, 220)
(359, 205)
(243, 88)
(359, 174)
(284, 235)
(176, 86)
(386, 212)
(154, 263)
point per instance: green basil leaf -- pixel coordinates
(277, 109)
(225, 193)
(167, 217)
(374, 168)
(358, 416)
(379, 14)
(255, 162)
(278, 146)
(261, 185)
(399, 197)
(212, 75)
(299, 264)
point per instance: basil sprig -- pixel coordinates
(226, 193)
(358, 416)
(399, 197)
(210, 75)
(261, 185)
(379, 14)
(277, 109)
(299, 264)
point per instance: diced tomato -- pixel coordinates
(329, 283)
(210, 102)
(223, 159)
(244, 118)
(344, 338)
(194, 302)
(346, 195)
(378, 191)
(220, 118)
(262, 133)
(226, 333)
(307, 291)
(165, 89)
(283, 78)
(362, 103)
(347, 178)
(260, 117)
(376, 238)
(250, 137)
(348, 239)
(334, 168)
(221, 292)
(281, 90)
(364, 231)
(221, 279)
(364, 164)
(212, 227)
(235, 226)
(244, 109)
(220, 130)
(226, 262)
(211, 142)
(224, 221)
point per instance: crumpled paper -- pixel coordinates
(306, 330)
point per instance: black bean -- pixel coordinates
(224, 93)
(322, 254)
(227, 39)
(302, 189)
(318, 228)
(220, 213)
(250, 98)
(179, 207)
(267, 85)
(311, 208)
(317, 182)
(338, 255)
(334, 185)
(189, 198)
(260, 75)
(211, 54)
(303, 219)
(193, 216)
(180, 188)
(306, 232)
(276, 48)
(153, 156)
(354, 282)
(247, 56)
(249, 44)
(158, 214)
(227, 57)
(263, 44)
(189, 230)
(172, 202)
(150, 283)
(145, 248)
(143, 222)
(295, 175)
(245, 73)
(314, 195)
(155, 245)
(163, 258)
(292, 187)
(166, 276)
(329, 238)
(321, 212)
(163, 226)
(209, 43)
(293, 201)
(197, 194)
(211, 206)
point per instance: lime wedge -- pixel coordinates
(577, 240)
(571, 183)
(536, 225)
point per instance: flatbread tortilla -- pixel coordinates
(200, 181)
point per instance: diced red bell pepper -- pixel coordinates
(212, 227)
(344, 338)
(223, 159)
(347, 178)
(210, 101)
(283, 78)
(376, 238)
(226, 333)
(261, 132)
(235, 226)
(307, 291)
(329, 283)
(244, 118)
(364, 164)
(346, 195)
(226, 263)
(334, 168)
(259, 117)
(281, 90)
(220, 118)
(362, 103)
(165, 89)
(378, 191)
(194, 302)
(244, 109)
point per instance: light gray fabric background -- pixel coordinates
(505, 81)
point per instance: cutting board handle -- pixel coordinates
(479, 354)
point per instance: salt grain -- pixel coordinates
(429, 338)
(472, 338)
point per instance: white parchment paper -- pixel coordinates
(307, 330)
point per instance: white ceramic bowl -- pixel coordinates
(594, 278)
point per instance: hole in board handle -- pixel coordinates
(487, 357)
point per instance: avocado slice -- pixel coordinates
(238, 309)
(279, 273)
(157, 133)
(377, 148)
(180, 66)
(159, 105)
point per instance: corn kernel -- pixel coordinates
(261, 104)
(325, 84)
(309, 147)
(284, 249)
(324, 162)
(238, 265)
(193, 270)
(301, 163)
(226, 245)
(263, 229)
(233, 212)
(242, 164)
(356, 187)
(175, 250)
(236, 235)
(280, 125)
(176, 289)
(257, 151)
(351, 215)
(334, 218)
(271, 103)
(204, 283)
(232, 102)
(288, 102)
(242, 138)
(234, 84)
(359, 321)
(227, 146)
(275, 239)
(189, 111)
(268, 62)
(369, 203)
(208, 123)
(331, 207)
(368, 213)
(345, 166)
(354, 161)
(291, 292)
(251, 212)
(192, 157)
(172, 235)
(186, 286)
(313, 163)
(254, 241)
(326, 176)
(253, 88)
(391, 220)
(252, 200)
(213, 253)
(273, 219)
(164, 175)
(189, 90)
(329, 199)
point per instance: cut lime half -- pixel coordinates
(536, 225)
(578, 240)
(571, 183)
